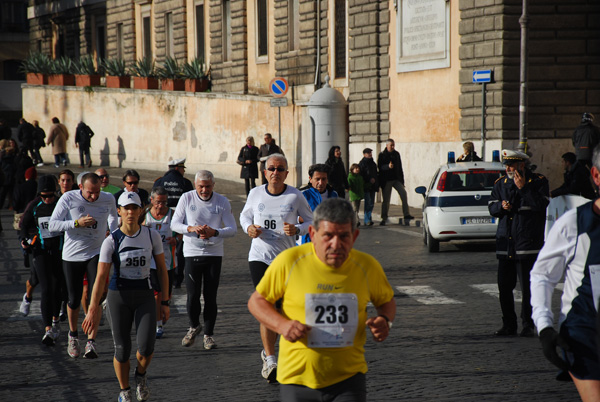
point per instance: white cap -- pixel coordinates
(509, 156)
(177, 162)
(129, 198)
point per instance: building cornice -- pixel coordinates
(54, 7)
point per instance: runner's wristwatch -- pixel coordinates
(389, 323)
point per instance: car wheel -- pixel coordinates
(433, 245)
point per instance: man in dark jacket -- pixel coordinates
(577, 179)
(83, 140)
(175, 184)
(368, 170)
(519, 200)
(25, 134)
(391, 176)
(266, 149)
(585, 138)
(39, 141)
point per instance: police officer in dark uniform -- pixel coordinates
(585, 138)
(519, 200)
(175, 184)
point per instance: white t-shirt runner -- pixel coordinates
(131, 257)
(270, 212)
(216, 213)
(83, 243)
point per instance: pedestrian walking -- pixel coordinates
(248, 159)
(368, 170)
(338, 174)
(39, 142)
(58, 136)
(267, 149)
(83, 141)
(391, 175)
(585, 138)
(270, 218)
(26, 135)
(131, 248)
(322, 327)
(519, 200)
(357, 188)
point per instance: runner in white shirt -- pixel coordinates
(159, 218)
(204, 217)
(85, 216)
(269, 218)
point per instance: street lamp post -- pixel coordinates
(523, 21)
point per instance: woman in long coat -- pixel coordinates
(58, 137)
(248, 158)
(338, 175)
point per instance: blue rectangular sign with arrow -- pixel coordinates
(480, 76)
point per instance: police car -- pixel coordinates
(455, 204)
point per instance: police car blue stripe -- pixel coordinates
(457, 201)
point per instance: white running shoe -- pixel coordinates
(125, 396)
(269, 371)
(142, 391)
(90, 350)
(25, 306)
(73, 348)
(48, 338)
(190, 337)
(159, 332)
(55, 329)
(209, 342)
(40, 164)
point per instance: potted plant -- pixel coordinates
(86, 74)
(144, 74)
(36, 68)
(116, 74)
(196, 79)
(170, 75)
(62, 72)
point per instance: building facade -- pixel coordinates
(405, 68)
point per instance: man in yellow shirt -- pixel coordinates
(325, 286)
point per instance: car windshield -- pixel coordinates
(472, 180)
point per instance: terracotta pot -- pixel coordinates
(37, 79)
(145, 83)
(87, 80)
(118, 82)
(169, 84)
(61, 79)
(196, 85)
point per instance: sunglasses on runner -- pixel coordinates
(279, 169)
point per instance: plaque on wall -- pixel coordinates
(423, 35)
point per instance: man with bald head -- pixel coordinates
(105, 182)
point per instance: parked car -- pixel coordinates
(455, 204)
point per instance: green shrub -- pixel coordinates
(194, 70)
(170, 69)
(115, 67)
(37, 63)
(85, 66)
(143, 68)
